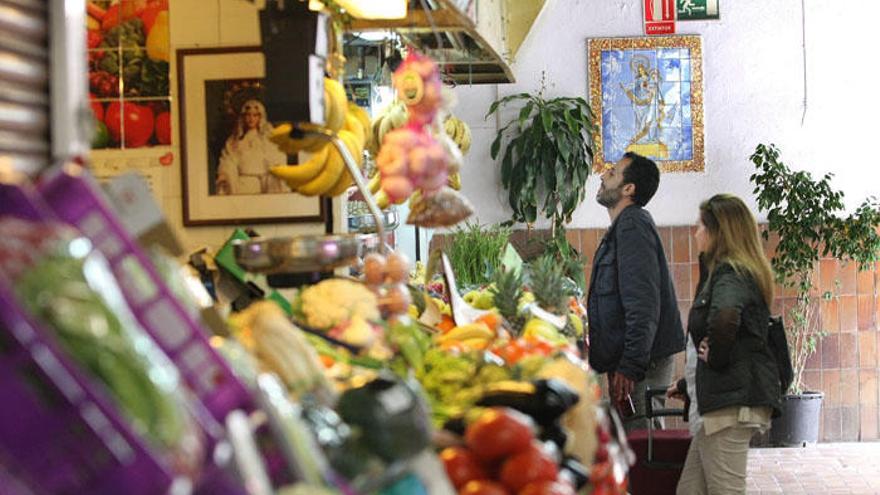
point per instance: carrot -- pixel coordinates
(95, 11)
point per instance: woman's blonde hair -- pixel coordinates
(734, 239)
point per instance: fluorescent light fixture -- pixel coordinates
(375, 9)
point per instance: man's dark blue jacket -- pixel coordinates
(631, 307)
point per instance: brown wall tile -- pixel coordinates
(574, 238)
(695, 279)
(831, 425)
(830, 315)
(849, 387)
(814, 360)
(695, 252)
(828, 275)
(866, 312)
(666, 238)
(849, 423)
(847, 275)
(831, 387)
(849, 350)
(589, 243)
(868, 423)
(849, 313)
(681, 278)
(868, 349)
(812, 380)
(681, 244)
(865, 282)
(868, 388)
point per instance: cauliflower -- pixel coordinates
(335, 301)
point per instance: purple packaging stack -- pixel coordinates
(76, 199)
(60, 430)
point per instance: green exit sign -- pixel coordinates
(697, 10)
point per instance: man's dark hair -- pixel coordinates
(643, 173)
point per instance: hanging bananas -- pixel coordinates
(335, 111)
(324, 172)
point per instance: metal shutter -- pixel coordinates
(24, 84)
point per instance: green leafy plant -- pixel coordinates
(808, 216)
(475, 252)
(548, 155)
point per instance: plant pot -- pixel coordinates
(798, 425)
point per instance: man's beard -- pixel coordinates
(609, 197)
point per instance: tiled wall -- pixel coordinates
(845, 366)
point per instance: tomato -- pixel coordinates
(462, 466)
(111, 18)
(547, 488)
(97, 110)
(483, 487)
(499, 432)
(148, 15)
(163, 128)
(93, 38)
(139, 123)
(529, 466)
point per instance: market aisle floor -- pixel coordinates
(824, 469)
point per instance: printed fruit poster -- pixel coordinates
(128, 49)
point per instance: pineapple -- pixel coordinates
(507, 290)
(549, 285)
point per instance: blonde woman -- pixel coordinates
(248, 154)
(737, 384)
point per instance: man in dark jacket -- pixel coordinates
(635, 327)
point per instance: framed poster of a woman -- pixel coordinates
(224, 143)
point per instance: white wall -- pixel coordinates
(753, 93)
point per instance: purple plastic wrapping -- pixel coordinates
(74, 198)
(58, 429)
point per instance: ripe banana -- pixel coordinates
(382, 200)
(298, 175)
(345, 180)
(353, 125)
(336, 104)
(364, 120)
(375, 183)
(465, 140)
(459, 132)
(454, 181)
(328, 176)
(469, 331)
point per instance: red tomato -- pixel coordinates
(93, 38)
(483, 487)
(499, 432)
(138, 123)
(547, 488)
(148, 15)
(111, 18)
(529, 466)
(97, 109)
(163, 128)
(462, 466)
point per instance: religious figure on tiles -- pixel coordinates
(648, 108)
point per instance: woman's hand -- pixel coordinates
(673, 393)
(703, 350)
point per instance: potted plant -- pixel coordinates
(545, 163)
(808, 217)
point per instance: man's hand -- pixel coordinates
(621, 386)
(703, 350)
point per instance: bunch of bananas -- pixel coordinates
(394, 116)
(476, 335)
(324, 172)
(459, 132)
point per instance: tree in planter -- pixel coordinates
(545, 164)
(806, 214)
